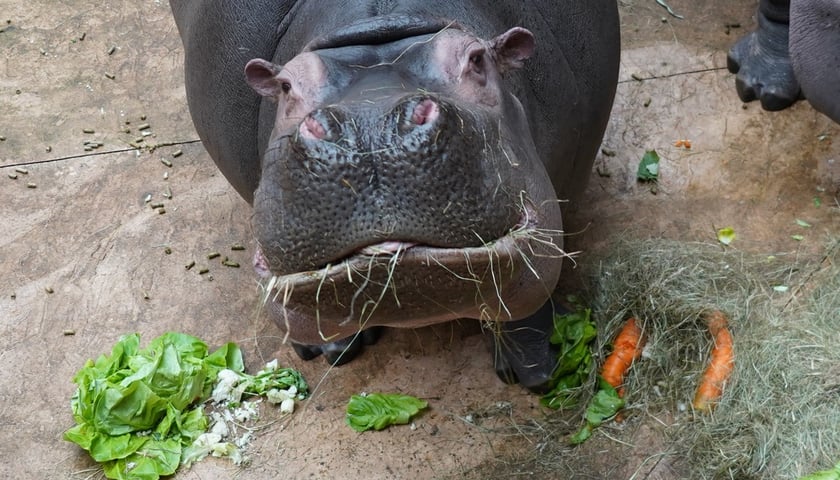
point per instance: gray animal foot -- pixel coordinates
(523, 353)
(341, 351)
(762, 65)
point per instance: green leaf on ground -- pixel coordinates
(604, 405)
(649, 166)
(726, 235)
(803, 223)
(380, 410)
(572, 335)
(833, 474)
(136, 410)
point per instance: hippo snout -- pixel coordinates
(420, 171)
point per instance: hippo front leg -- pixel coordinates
(341, 351)
(523, 352)
(761, 60)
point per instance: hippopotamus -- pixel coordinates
(405, 160)
(794, 53)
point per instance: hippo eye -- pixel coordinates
(286, 87)
(477, 59)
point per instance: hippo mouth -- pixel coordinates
(404, 284)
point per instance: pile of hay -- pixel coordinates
(780, 414)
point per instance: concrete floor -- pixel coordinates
(85, 233)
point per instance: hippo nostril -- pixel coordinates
(312, 128)
(426, 111)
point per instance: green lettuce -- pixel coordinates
(573, 332)
(380, 410)
(604, 405)
(833, 474)
(136, 409)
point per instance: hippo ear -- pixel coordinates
(513, 47)
(264, 77)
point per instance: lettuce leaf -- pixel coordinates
(573, 333)
(135, 409)
(604, 405)
(380, 410)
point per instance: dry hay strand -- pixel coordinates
(779, 413)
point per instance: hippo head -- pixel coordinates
(401, 185)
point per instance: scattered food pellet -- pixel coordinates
(190, 265)
(13, 176)
(88, 130)
(145, 296)
(230, 263)
(143, 126)
(176, 153)
(161, 211)
(147, 198)
(143, 117)
(82, 36)
(14, 295)
(237, 247)
(110, 76)
(167, 250)
(112, 50)
(22, 170)
(31, 185)
(166, 175)
(203, 271)
(212, 255)
(2, 138)
(48, 289)
(49, 149)
(166, 162)
(167, 193)
(68, 332)
(156, 205)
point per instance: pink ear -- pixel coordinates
(513, 48)
(263, 77)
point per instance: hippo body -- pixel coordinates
(794, 53)
(404, 159)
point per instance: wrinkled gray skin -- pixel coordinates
(794, 53)
(404, 158)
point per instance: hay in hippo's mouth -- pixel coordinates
(403, 284)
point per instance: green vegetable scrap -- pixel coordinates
(726, 235)
(649, 167)
(134, 409)
(380, 410)
(138, 410)
(833, 474)
(605, 404)
(573, 333)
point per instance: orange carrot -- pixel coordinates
(721, 363)
(626, 348)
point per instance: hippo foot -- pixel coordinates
(341, 351)
(523, 352)
(763, 68)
